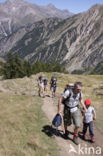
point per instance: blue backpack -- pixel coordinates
(57, 121)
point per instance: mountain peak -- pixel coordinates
(50, 5)
(96, 6)
(13, 1)
(18, 1)
(7, 2)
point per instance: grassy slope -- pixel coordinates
(21, 124)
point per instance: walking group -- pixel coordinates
(42, 85)
(71, 98)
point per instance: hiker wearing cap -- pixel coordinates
(71, 109)
(53, 85)
(89, 116)
(40, 85)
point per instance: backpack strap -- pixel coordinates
(80, 95)
(69, 95)
(67, 98)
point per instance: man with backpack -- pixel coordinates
(71, 98)
(53, 85)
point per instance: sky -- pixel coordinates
(74, 6)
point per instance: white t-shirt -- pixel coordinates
(88, 117)
(66, 94)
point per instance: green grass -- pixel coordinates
(21, 124)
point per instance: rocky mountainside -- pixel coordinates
(18, 13)
(76, 42)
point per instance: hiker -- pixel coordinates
(53, 85)
(89, 116)
(40, 85)
(45, 80)
(72, 97)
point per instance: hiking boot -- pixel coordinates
(92, 139)
(75, 140)
(66, 135)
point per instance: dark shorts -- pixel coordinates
(53, 89)
(69, 117)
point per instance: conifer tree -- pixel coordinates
(27, 68)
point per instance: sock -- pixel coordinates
(75, 134)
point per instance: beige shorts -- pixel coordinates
(72, 117)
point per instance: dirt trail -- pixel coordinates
(50, 109)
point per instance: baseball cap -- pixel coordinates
(87, 102)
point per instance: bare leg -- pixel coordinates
(75, 138)
(65, 128)
(39, 92)
(43, 92)
(65, 132)
(76, 130)
(52, 94)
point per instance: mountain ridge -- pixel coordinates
(17, 13)
(76, 42)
